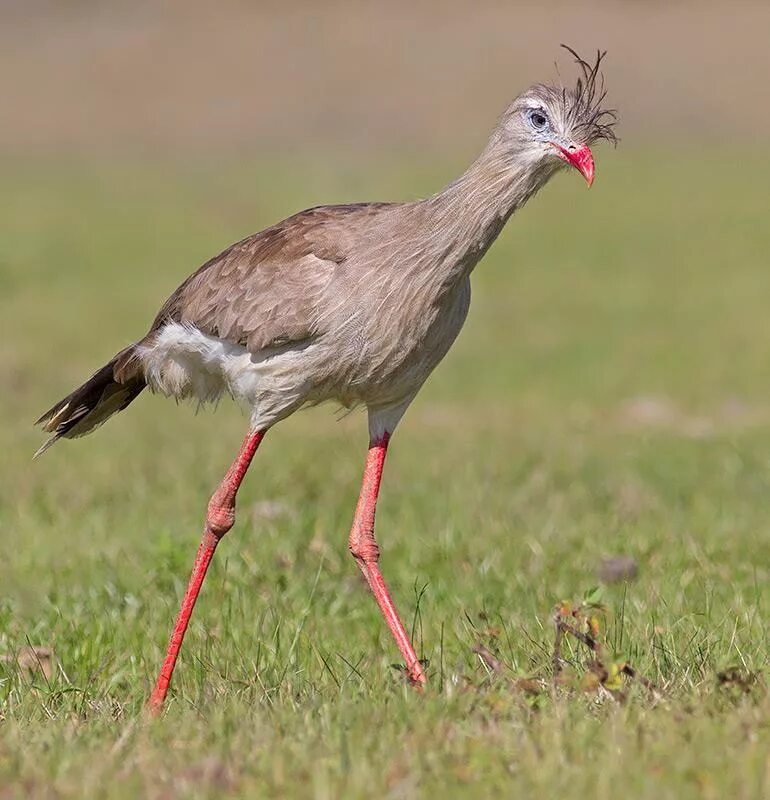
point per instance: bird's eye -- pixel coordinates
(538, 119)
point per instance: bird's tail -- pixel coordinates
(109, 390)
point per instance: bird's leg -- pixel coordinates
(219, 519)
(364, 548)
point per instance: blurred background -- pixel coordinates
(609, 395)
(138, 139)
(183, 78)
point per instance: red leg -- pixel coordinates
(219, 520)
(364, 548)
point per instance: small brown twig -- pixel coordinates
(567, 622)
(528, 686)
(589, 641)
(489, 658)
(557, 660)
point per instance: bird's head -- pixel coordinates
(552, 126)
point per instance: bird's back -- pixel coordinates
(264, 291)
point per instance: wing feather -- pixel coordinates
(266, 290)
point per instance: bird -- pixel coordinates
(354, 304)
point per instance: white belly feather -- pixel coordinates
(183, 362)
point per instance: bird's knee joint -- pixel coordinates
(364, 548)
(219, 519)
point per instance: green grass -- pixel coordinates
(609, 395)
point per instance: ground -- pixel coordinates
(609, 396)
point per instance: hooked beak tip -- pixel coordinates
(581, 159)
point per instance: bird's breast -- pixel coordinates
(396, 348)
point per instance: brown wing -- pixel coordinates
(264, 291)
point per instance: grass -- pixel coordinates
(609, 396)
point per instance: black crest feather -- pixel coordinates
(585, 101)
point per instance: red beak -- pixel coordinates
(581, 159)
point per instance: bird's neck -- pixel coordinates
(465, 217)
